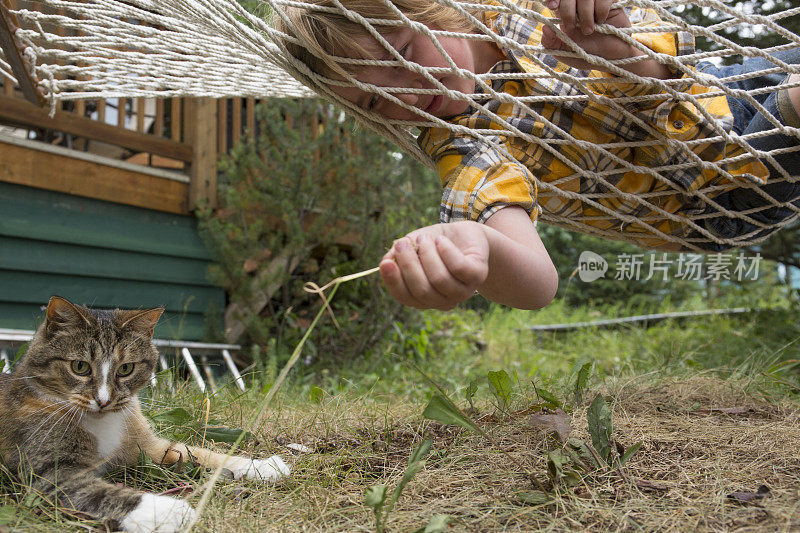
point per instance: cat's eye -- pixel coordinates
(82, 368)
(125, 369)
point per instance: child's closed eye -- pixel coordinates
(372, 103)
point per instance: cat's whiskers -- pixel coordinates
(32, 413)
(55, 412)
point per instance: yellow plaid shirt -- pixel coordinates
(479, 179)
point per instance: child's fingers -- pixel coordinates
(393, 279)
(471, 272)
(414, 275)
(567, 13)
(601, 10)
(586, 16)
(439, 277)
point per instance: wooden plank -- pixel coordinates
(236, 110)
(172, 325)
(12, 48)
(175, 120)
(158, 125)
(222, 126)
(20, 112)
(251, 116)
(25, 166)
(122, 112)
(101, 112)
(140, 114)
(203, 186)
(33, 287)
(45, 257)
(50, 216)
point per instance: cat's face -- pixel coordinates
(95, 359)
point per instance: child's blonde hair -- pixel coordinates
(325, 33)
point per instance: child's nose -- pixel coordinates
(409, 98)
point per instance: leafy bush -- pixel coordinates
(309, 198)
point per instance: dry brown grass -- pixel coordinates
(693, 458)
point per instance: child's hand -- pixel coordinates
(438, 266)
(578, 19)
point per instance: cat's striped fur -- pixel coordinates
(69, 410)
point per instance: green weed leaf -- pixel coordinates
(581, 455)
(470, 391)
(374, 497)
(582, 380)
(500, 385)
(442, 409)
(535, 497)
(177, 416)
(223, 434)
(551, 401)
(629, 453)
(415, 463)
(316, 394)
(600, 427)
(437, 524)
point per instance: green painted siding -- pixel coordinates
(101, 254)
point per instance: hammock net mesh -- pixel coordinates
(218, 48)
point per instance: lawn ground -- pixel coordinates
(719, 446)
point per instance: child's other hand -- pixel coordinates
(438, 266)
(578, 19)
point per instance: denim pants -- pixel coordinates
(748, 120)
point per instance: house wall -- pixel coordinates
(104, 255)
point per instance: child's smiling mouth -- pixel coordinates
(434, 104)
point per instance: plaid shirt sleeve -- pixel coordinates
(478, 180)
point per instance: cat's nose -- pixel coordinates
(102, 401)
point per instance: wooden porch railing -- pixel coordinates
(155, 153)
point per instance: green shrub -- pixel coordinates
(310, 198)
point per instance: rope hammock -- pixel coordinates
(216, 48)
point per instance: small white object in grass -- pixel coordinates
(299, 448)
(271, 469)
(158, 514)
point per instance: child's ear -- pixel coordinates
(61, 313)
(143, 322)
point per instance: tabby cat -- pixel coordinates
(69, 411)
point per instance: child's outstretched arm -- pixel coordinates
(578, 20)
(439, 266)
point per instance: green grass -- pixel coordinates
(714, 402)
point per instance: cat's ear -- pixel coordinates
(142, 321)
(63, 313)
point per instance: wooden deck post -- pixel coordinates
(200, 131)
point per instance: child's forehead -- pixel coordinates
(369, 47)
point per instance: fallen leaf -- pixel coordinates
(750, 497)
(649, 486)
(557, 422)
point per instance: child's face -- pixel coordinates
(417, 48)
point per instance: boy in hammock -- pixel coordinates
(487, 239)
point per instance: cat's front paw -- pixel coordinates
(158, 514)
(271, 469)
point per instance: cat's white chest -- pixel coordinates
(108, 429)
